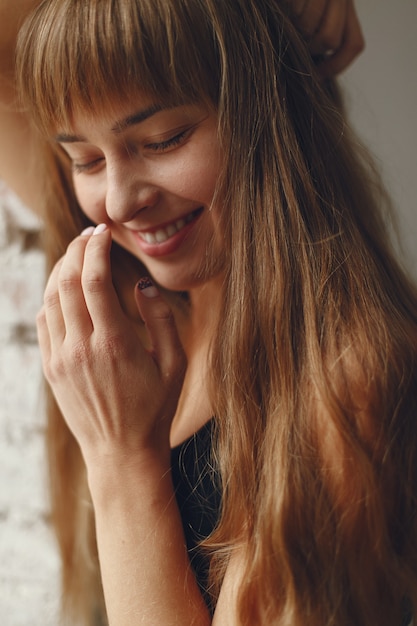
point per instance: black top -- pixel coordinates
(196, 484)
(198, 496)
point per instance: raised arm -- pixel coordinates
(333, 31)
(17, 144)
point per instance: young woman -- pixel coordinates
(249, 406)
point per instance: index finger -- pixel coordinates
(100, 296)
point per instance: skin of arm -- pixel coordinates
(145, 568)
(332, 30)
(12, 14)
(18, 145)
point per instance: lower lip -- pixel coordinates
(172, 244)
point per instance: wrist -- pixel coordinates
(117, 478)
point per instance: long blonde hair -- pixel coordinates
(313, 371)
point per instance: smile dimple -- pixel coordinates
(163, 234)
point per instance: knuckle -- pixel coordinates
(54, 369)
(50, 299)
(69, 359)
(111, 346)
(68, 277)
(93, 281)
(68, 282)
(79, 355)
(48, 371)
(41, 317)
(163, 312)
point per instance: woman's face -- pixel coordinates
(150, 172)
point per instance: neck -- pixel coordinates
(205, 307)
(197, 328)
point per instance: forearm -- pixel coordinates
(18, 149)
(146, 573)
(12, 14)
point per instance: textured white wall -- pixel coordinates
(29, 588)
(382, 93)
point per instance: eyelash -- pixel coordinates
(161, 146)
(79, 168)
(169, 143)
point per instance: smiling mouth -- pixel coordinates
(163, 234)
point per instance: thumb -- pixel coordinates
(160, 323)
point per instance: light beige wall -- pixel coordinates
(382, 95)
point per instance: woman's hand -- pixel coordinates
(333, 31)
(117, 398)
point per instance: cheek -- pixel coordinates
(207, 178)
(207, 173)
(195, 178)
(91, 200)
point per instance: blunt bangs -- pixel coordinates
(87, 54)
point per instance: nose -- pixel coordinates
(128, 192)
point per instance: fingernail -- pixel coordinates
(100, 229)
(146, 286)
(87, 231)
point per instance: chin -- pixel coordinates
(191, 281)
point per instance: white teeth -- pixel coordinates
(163, 234)
(160, 236)
(148, 237)
(171, 230)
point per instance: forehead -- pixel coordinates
(121, 116)
(114, 110)
(115, 114)
(77, 54)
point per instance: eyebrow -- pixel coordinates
(120, 125)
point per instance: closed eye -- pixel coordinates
(79, 168)
(176, 140)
